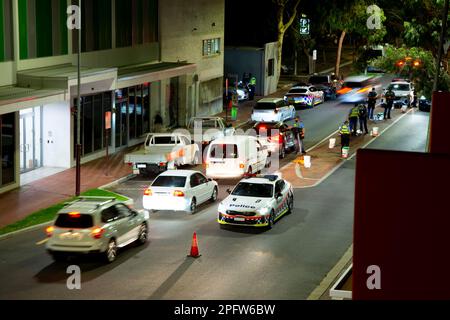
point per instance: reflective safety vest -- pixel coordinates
(253, 81)
(344, 129)
(354, 112)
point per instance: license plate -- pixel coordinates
(141, 166)
(239, 219)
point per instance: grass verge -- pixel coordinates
(48, 214)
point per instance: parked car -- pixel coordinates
(95, 225)
(207, 129)
(162, 150)
(179, 190)
(232, 157)
(278, 137)
(403, 90)
(356, 88)
(424, 104)
(257, 201)
(272, 110)
(308, 96)
(329, 92)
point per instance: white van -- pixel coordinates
(233, 156)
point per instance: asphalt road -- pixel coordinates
(287, 262)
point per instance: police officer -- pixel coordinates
(353, 118)
(252, 86)
(372, 101)
(363, 118)
(299, 133)
(390, 97)
(344, 131)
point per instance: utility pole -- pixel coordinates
(78, 146)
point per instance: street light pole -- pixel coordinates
(78, 146)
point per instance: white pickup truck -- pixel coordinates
(163, 151)
(207, 129)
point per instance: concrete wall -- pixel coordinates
(270, 82)
(181, 39)
(56, 135)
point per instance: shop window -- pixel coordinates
(7, 148)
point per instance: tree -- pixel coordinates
(283, 7)
(352, 17)
(415, 63)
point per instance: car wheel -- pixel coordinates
(282, 152)
(193, 206)
(111, 251)
(271, 220)
(143, 234)
(290, 204)
(214, 195)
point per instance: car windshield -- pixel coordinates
(265, 106)
(298, 91)
(318, 79)
(203, 123)
(259, 190)
(169, 181)
(399, 87)
(78, 221)
(224, 151)
(164, 140)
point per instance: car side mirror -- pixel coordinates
(228, 191)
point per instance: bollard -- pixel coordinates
(345, 152)
(332, 143)
(307, 161)
(375, 132)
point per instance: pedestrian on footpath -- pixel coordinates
(344, 131)
(390, 97)
(299, 132)
(353, 118)
(372, 102)
(363, 118)
(252, 86)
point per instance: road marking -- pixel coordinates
(41, 242)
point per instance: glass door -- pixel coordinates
(30, 139)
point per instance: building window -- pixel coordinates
(6, 35)
(96, 24)
(7, 148)
(42, 28)
(136, 22)
(93, 111)
(211, 47)
(271, 67)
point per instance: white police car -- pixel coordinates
(257, 201)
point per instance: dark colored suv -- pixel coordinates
(278, 137)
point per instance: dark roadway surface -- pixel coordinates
(287, 262)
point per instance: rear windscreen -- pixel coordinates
(298, 91)
(164, 140)
(81, 221)
(224, 151)
(265, 106)
(170, 181)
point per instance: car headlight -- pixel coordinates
(264, 211)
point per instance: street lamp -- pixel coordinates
(78, 146)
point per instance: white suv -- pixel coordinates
(403, 90)
(272, 110)
(95, 225)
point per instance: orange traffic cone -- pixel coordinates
(194, 247)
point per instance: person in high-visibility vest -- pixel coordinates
(344, 131)
(353, 118)
(299, 132)
(252, 87)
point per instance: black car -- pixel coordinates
(329, 92)
(424, 104)
(280, 137)
(329, 81)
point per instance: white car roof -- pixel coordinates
(273, 100)
(232, 139)
(258, 180)
(357, 78)
(178, 173)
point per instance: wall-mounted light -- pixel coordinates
(213, 24)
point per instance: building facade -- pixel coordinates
(140, 58)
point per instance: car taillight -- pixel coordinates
(162, 164)
(206, 165)
(178, 193)
(242, 166)
(49, 231)
(148, 192)
(130, 164)
(97, 233)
